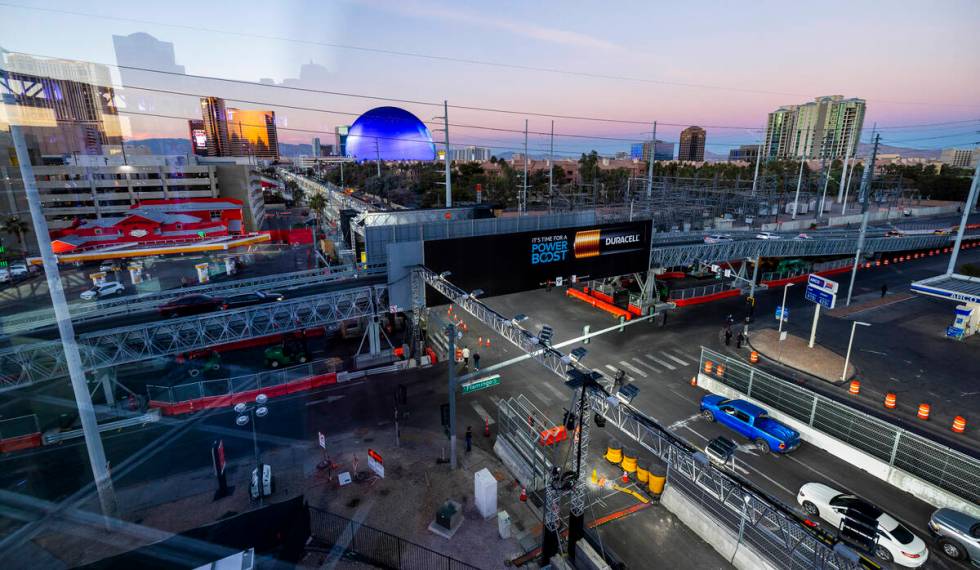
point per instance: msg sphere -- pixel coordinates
(391, 134)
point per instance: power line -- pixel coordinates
(450, 59)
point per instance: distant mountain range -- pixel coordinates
(183, 146)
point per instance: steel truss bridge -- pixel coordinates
(42, 361)
(773, 530)
(82, 312)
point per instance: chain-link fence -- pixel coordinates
(19, 426)
(225, 386)
(376, 547)
(520, 423)
(946, 468)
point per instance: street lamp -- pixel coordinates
(847, 359)
(782, 310)
(247, 414)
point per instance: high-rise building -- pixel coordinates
(745, 153)
(960, 157)
(471, 154)
(238, 132)
(68, 106)
(341, 139)
(692, 144)
(316, 147)
(641, 151)
(824, 128)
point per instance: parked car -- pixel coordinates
(109, 266)
(291, 351)
(803, 236)
(18, 270)
(717, 238)
(767, 235)
(752, 422)
(957, 535)
(249, 299)
(4, 275)
(107, 289)
(893, 233)
(890, 539)
(189, 305)
(907, 212)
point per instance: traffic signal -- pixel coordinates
(546, 334)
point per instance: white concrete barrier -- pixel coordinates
(903, 480)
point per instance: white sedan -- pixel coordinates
(106, 289)
(895, 542)
(767, 235)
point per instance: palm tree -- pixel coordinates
(318, 204)
(16, 226)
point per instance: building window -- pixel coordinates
(98, 231)
(180, 226)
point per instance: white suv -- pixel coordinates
(106, 289)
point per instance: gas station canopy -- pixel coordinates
(953, 287)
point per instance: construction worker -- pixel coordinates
(884, 290)
(466, 356)
(739, 340)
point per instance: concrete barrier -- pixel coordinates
(907, 482)
(743, 556)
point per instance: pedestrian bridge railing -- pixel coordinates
(914, 454)
(815, 268)
(703, 291)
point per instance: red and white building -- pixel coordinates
(155, 222)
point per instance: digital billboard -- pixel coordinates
(508, 263)
(199, 137)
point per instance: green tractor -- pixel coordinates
(291, 351)
(203, 365)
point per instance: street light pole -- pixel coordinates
(847, 359)
(863, 196)
(449, 182)
(66, 330)
(451, 340)
(755, 177)
(971, 202)
(782, 311)
(653, 156)
(799, 179)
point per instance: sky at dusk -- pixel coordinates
(711, 63)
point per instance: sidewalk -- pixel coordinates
(403, 503)
(795, 353)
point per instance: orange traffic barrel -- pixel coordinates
(878, 263)
(855, 387)
(959, 424)
(923, 412)
(890, 400)
(754, 357)
(708, 366)
(721, 370)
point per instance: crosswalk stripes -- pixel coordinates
(633, 369)
(666, 365)
(612, 368)
(482, 412)
(647, 364)
(538, 393)
(558, 393)
(675, 359)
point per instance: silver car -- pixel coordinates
(958, 534)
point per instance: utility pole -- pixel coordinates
(451, 340)
(449, 184)
(863, 197)
(755, 178)
(86, 412)
(653, 156)
(523, 201)
(799, 179)
(825, 170)
(971, 202)
(377, 151)
(551, 164)
(843, 172)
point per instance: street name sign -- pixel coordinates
(481, 383)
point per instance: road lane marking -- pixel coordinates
(633, 368)
(328, 399)
(661, 362)
(536, 392)
(482, 413)
(682, 423)
(551, 388)
(749, 467)
(613, 368)
(647, 364)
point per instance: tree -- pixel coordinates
(318, 204)
(16, 226)
(588, 165)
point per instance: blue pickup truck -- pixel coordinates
(751, 421)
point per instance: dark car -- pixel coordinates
(189, 305)
(249, 299)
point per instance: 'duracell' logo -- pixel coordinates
(607, 241)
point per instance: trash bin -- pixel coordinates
(503, 524)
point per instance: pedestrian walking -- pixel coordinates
(728, 337)
(739, 340)
(469, 439)
(884, 290)
(466, 356)
(476, 360)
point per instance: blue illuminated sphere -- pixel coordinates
(392, 133)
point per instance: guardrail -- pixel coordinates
(376, 547)
(914, 454)
(151, 416)
(227, 386)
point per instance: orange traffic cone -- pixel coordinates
(626, 477)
